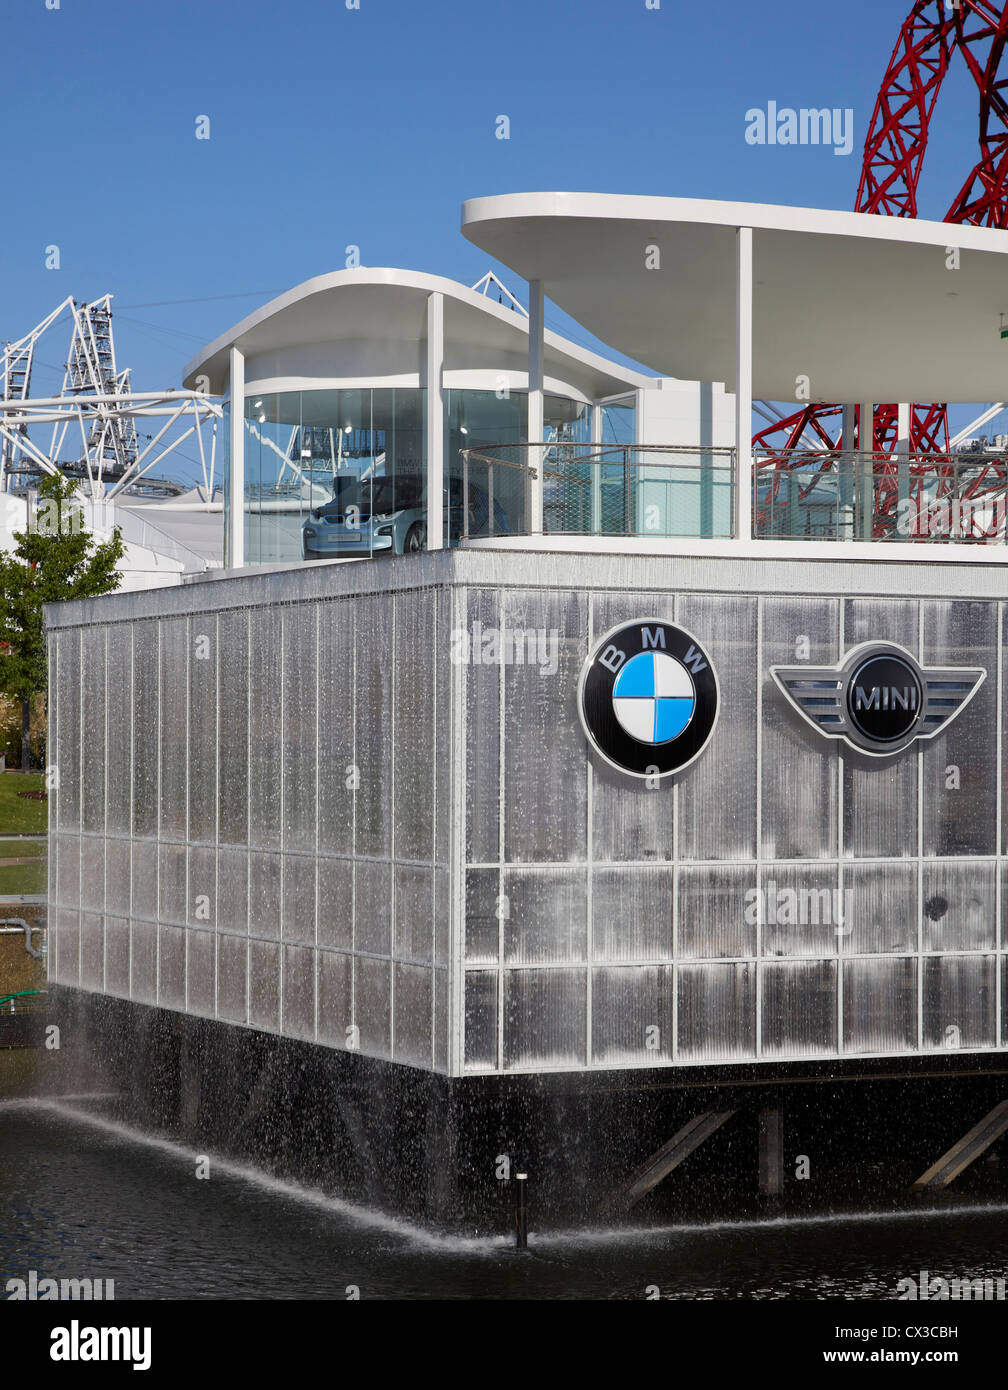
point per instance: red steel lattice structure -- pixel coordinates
(893, 159)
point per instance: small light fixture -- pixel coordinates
(347, 429)
(262, 419)
(463, 430)
(306, 453)
(258, 404)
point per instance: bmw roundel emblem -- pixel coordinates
(648, 698)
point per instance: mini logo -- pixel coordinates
(648, 698)
(879, 699)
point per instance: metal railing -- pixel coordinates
(676, 491)
(842, 495)
(599, 489)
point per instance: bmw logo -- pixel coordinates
(648, 698)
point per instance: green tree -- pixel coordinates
(57, 558)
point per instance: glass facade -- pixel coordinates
(318, 813)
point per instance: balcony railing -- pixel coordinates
(681, 492)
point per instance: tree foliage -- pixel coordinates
(56, 559)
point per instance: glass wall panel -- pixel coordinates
(717, 912)
(93, 695)
(545, 1018)
(299, 992)
(299, 741)
(414, 1010)
(373, 1005)
(799, 767)
(960, 807)
(372, 712)
(413, 761)
(881, 908)
(68, 714)
(880, 1005)
(960, 906)
(960, 1002)
(473, 420)
(880, 794)
(120, 729)
(203, 756)
(265, 722)
(717, 1013)
(546, 790)
(717, 795)
(632, 1015)
(544, 916)
(335, 999)
(234, 683)
(802, 909)
(632, 914)
(336, 729)
(483, 694)
(146, 728)
(484, 912)
(232, 979)
(799, 1013)
(481, 1020)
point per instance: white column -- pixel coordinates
(536, 352)
(435, 422)
(902, 465)
(596, 473)
(847, 467)
(866, 478)
(236, 463)
(743, 382)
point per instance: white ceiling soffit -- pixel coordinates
(865, 307)
(387, 305)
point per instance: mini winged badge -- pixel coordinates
(879, 698)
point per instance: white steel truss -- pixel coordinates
(97, 403)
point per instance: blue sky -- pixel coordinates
(331, 126)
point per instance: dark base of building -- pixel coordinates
(440, 1151)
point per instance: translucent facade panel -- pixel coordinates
(93, 729)
(483, 916)
(546, 791)
(299, 742)
(92, 950)
(233, 684)
(960, 906)
(447, 712)
(881, 904)
(68, 944)
(483, 698)
(143, 962)
(335, 903)
(265, 725)
(117, 956)
(67, 700)
(372, 715)
(880, 1005)
(442, 1019)
(299, 992)
(413, 720)
(265, 878)
(143, 901)
(264, 985)
(68, 874)
(414, 1011)
(545, 916)
(373, 907)
(172, 967)
(119, 748)
(203, 753)
(172, 738)
(625, 824)
(147, 731)
(92, 869)
(799, 1008)
(299, 898)
(545, 1018)
(414, 900)
(481, 1020)
(717, 796)
(963, 819)
(118, 876)
(201, 902)
(233, 890)
(716, 1012)
(336, 729)
(879, 794)
(960, 1002)
(632, 1015)
(799, 767)
(373, 1005)
(232, 979)
(803, 910)
(717, 912)
(172, 884)
(335, 997)
(442, 916)
(201, 972)
(632, 912)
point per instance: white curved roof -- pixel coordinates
(367, 326)
(865, 306)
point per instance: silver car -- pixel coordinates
(389, 516)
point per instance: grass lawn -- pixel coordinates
(20, 815)
(23, 878)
